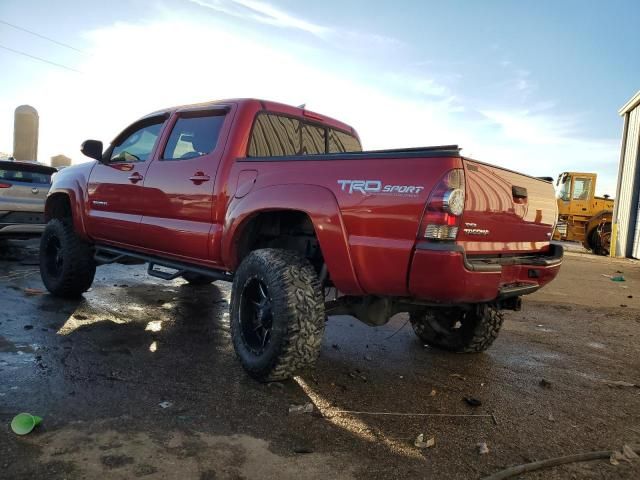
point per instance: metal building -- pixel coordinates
(626, 214)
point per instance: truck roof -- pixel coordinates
(263, 105)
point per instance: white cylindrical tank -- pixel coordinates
(60, 161)
(25, 133)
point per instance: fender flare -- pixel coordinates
(319, 204)
(76, 197)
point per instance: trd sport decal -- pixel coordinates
(368, 187)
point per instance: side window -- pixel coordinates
(340, 142)
(581, 188)
(193, 137)
(313, 140)
(274, 135)
(137, 146)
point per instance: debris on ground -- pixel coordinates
(457, 375)
(33, 291)
(24, 423)
(421, 443)
(617, 278)
(626, 454)
(483, 449)
(554, 462)
(620, 384)
(306, 408)
(368, 357)
(165, 404)
(545, 383)
(358, 374)
(302, 450)
(551, 417)
(472, 402)
(433, 392)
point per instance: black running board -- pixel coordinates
(106, 255)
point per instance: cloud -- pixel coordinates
(263, 12)
(267, 14)
(138, 68)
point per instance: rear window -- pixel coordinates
(277, 135)
(313, 140)
(24, 176)
(340, 142)
(193, 137)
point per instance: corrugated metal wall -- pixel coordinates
(628, 242)
(636, 245)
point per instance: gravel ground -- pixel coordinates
(98, 369)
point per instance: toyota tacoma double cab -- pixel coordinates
(284, 203)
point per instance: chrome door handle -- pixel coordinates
(136, 177)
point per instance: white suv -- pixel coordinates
(23, 190)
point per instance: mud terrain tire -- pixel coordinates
(277, 314)
(67, 266)
(458, 330)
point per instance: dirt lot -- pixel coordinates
(97, 370)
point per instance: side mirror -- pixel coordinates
(92, 149)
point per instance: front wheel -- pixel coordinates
(459, 330)
(277, 314)
(67, 266)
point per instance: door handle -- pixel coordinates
(199, 177)
(135, 178)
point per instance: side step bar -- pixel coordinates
(106, 255)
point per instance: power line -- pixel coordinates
(43, 37)
(40, 59)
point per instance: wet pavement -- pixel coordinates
(98, 369)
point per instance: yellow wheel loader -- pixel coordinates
(583, 217)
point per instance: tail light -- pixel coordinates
(444, 208)
(5, 185)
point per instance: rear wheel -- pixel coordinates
(277, 314)
(67, 266)
(600, 239)
(459, 330)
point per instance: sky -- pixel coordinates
(534, 86)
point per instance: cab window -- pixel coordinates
(581, 188)
(193, 137)
(274, 136)
(137, 145)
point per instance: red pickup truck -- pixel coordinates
(284, 203)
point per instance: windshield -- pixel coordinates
(563, 188)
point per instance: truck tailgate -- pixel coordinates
(505, 212)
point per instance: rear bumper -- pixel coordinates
(444, 273)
